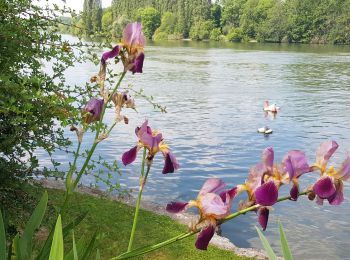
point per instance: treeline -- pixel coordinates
(301, 21)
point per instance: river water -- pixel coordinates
(214, 95)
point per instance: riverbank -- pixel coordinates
(112, 218)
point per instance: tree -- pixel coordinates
(201, 30)
(215, 13)
(92, 15)
(232, 11)
(31, 100)
(166, 28)
(150, 19)
(107, 20)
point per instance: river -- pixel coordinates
(214, 95)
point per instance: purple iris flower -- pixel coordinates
(154, 143)
(295, 164)
(213, 203)
(262, 186)
(330, 185)
(131, 50)
(92, 110)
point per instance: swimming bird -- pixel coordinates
(271, 108)
(265, 130)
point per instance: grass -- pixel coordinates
(111, 219)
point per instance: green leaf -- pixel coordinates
(98, 256)
(266, 245)
(45, 251)
(80, 246)
(75, 253)
(25, 242)
(284, 243)
(90, 247)
(57, 249)
(16, 250)
(2, 238)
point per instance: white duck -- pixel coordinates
(271, 108)
(265, 130)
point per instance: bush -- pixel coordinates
(201, 30)
(215, 34)
(160, 36)
(235, 35)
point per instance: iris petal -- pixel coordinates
(294, 192)
(338, 196)
(204, 237)
(295, 163)
(325, 151)
(263, 215)
(268, 157)
(344, 171)
(176, 206)
(133, 36)
(213, 205)
(129, 156)
(211, 185)
(324, 188)
(266, 194)
(170, 164)
(110, 54)
(231, 193)
(137, 63)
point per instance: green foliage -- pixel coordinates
(166, 28)
(232, 11)
(215, 34)
(113, 220)
(287, 255)
(150, 19)
(107, 20)
(234, 35)
(31, 100)
(266, 245)
(215, 15)
(201, 30)
(92, 16)
(2, 238)
(118, 26)
(284, 243)
(57, 249)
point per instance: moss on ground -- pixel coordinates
(111, 219)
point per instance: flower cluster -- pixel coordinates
(263, 185)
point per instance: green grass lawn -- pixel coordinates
(111, 219)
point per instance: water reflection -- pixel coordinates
(213, 95)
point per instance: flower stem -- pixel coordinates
(91, 151)
(98, 130)
(138, 202)
(147, 249)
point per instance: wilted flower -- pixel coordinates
(92, 110)
(295, 164)
(120, 100)
(153, 142)
(131, 50)
(330, 184)
(212, 206)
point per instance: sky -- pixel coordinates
(74, 4)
